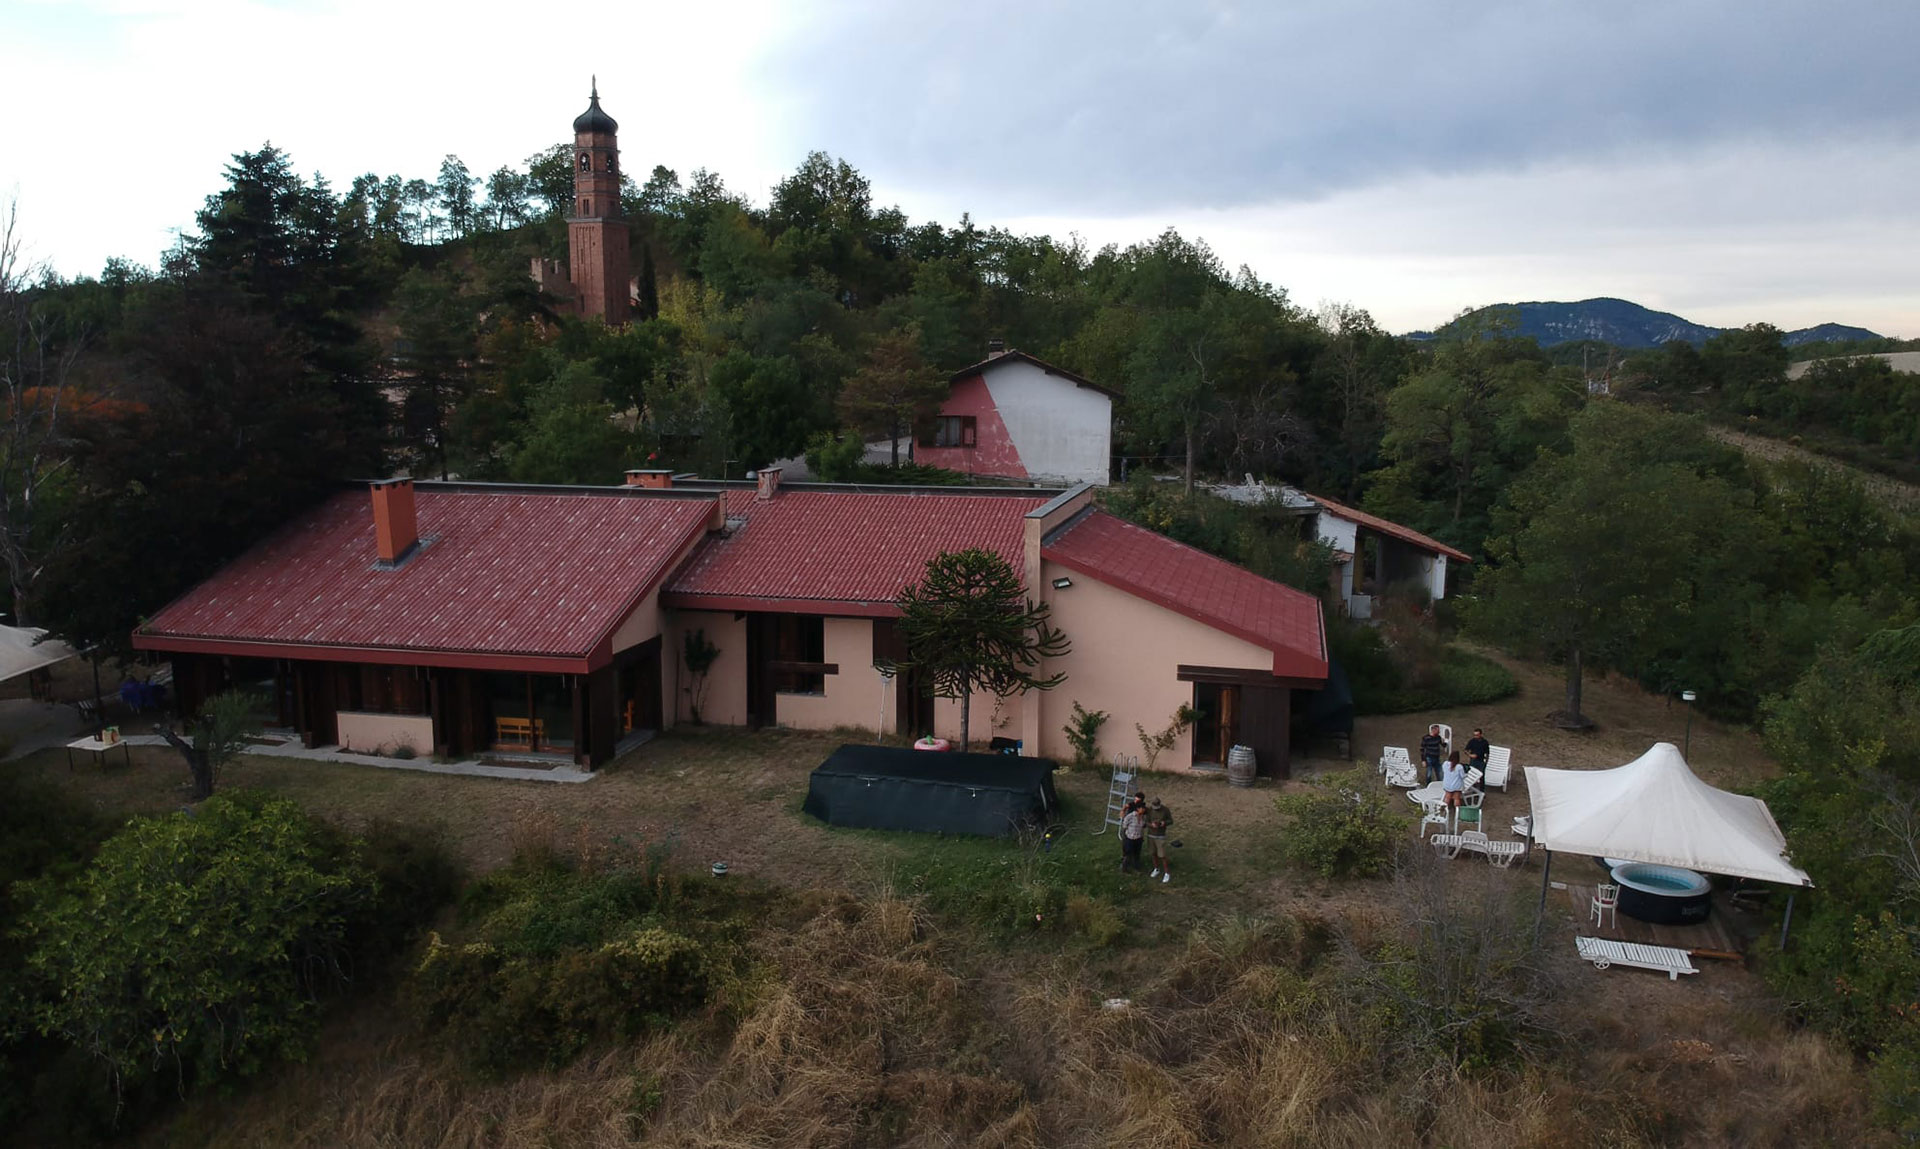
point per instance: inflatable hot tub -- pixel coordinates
(1665, 895)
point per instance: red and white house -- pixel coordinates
(458, 618)
(1013, 416)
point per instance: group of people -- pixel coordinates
(1452, 773)
(1144, 822)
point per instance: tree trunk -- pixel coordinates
(893, 444)
(197, 764)
(966, 713)
(1573, 685)
(1189, 456)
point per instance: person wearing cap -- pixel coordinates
(1159, 817)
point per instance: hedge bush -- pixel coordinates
(1342, 826)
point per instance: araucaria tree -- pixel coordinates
(969, 626)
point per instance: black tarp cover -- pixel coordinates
(888, 788)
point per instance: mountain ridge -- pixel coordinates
(1629, 325)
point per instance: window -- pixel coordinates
(798, 657)
(955, 431)
(586, 161)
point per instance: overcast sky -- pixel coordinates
(1730, 161)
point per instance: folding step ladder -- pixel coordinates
(1119, 791)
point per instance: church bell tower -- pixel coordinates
(596, 233)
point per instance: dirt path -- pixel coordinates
(1899, 496)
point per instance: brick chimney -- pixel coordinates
(395, 529)
(996, 348)
(657, 480)
(769, 479)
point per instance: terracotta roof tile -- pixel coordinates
(1385, 527)
(1198, 585)
(509, 573)
(852, 550)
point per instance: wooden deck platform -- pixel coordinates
(1720, 934)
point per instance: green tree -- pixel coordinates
(219, 735)
(771, 409)
(1604, 549)
(507, 192)
(196, 945)
(550, 180)
(969, 627)
(893, 391)
(572, 435)
(454, 186)
(439, 336)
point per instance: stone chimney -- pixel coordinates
(996, 348)
(395, 530)
(769, 479)
(655, 480)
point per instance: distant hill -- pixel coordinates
(1634, 328)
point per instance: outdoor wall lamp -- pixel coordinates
(1062, 583)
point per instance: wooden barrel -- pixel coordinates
(1240, 766)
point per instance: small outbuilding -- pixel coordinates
(888, 788)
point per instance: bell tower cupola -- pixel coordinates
(596, 233)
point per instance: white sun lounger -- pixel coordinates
(1603, 953)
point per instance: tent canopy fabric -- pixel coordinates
(887, 788)
(24, 649)
(1655, 809)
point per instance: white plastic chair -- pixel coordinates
(1435, 815)
(1606, 900)
(1400, 774)
(1446, 735)
(1499, 766)
(1473, 778)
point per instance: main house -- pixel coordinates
(1012, 416)
(458, 618)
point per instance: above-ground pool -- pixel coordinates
(1667, 895)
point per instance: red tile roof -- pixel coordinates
(503, 574)
(1199, 586)
(842, 552)
(1404, 534)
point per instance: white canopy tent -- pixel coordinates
(24, 649)
(1655, 809)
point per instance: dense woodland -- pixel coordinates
(161, 419)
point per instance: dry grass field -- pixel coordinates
(877, 1019)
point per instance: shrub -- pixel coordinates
(1341, 826)
(1083, 734)
(198, 944)
(1461, 679)
(1095, 919)
(553, 958)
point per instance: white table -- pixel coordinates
(98, 749)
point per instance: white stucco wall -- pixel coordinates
(1063, 431)
(1337, 532)
(1437, 577)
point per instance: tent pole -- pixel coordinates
(1546, 872)
(1788, 920)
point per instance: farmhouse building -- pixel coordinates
(457, 618)
(1012, 416)
(1372, 554)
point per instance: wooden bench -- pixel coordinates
(1664, 959)
(518, 732)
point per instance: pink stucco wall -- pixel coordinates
(726, 684)
(994, 452)
(1125, 660)
(383, 733)
(852, 697)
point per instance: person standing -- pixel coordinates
(1432, 748)
(1453, 783)
(1159, 817)
(1477, 748)
(1133, 828)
